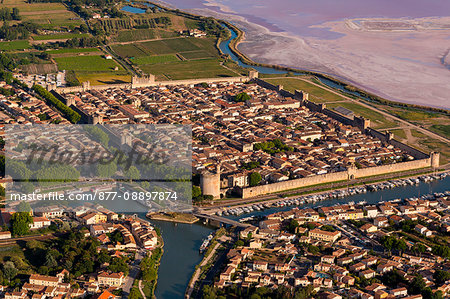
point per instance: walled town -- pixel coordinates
(247, 137)
(245, 130)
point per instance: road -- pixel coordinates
(28, 238)
(214, 269)
(120, 60)
(134, 272)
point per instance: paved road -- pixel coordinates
(134, 272)
(140, 288)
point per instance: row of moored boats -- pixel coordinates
(332, 194)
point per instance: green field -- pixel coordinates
(196, 55)
(399, 134)
(49, 15)
(14, 45)
(377, 120)
(316, 93)
(73, 50)
(60, 36)
(95, 63)
(104, 78)
(136, 34)
(129, 50)
(441, 129)
(154, 59)
(195, 69)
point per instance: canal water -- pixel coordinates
(182, 241)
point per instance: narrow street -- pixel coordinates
(134, 273)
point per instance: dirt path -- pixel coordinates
(140, 288)
(196, 275)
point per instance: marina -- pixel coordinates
(337, 194)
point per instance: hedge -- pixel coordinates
(70, 114)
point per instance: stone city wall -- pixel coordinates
(333, 177)
(149, 84)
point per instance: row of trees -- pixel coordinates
(7, 14)
(70, 114)
(282, 292)
(18, 31)
(112, 25)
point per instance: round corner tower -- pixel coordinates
(435, 159)
(210, 183)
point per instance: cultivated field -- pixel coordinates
(176, 58)
(14, 45)
(73, 50)
(93, 68)
(154, 59)
(49, 15)
(94, 63)
(59, 36)
(195, 69)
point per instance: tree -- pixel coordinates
(20, 222)
(196, 191)
(133, 173)
(254, 179)
(241, 97)
(9, 270)
(417, 285)
(106, 170)
(441, 276)
(134, 294)
(24, 206)
(293, 224)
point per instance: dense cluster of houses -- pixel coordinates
(226, 131)
(94, 221)
(344, 236)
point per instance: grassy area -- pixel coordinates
(207, 68)
(378, 120)
(317, 94)
(60, 36)
(399, 134)
(14, 45)
(154, 59)
(441, 129)
(73, 50)
(197, 55)
(94, 63)
(104, 78)
(130, 50)
(429, 144)
(176, 45)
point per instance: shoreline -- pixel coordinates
(373, 93)
(160, 217)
